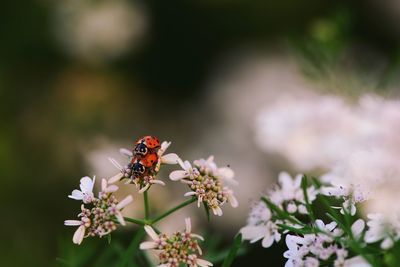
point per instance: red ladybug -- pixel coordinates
(149, 160)
(150, 142)
(144, 144)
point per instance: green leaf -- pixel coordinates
(232, 253)
(302, 231)
(304, 186)
(109, 239)
(281, 214)
(207, 209)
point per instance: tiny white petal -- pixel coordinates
(115, 163)
(111, 188)
(124, 202)
(170, 158)
(150, 231)
(165, 145)
(267, 241)
(197, 236)
(148, 245)
(177, 175)
(125, 152)
(86, 184)
(76, 194)
(253, 233)
(72, 222)
(191, 193)
(232, 199)
(78, 235)
(120, 218)
(115, 178)
(142, 190)
(357, 227)
(180, 162)
(157, 182)
(188, 225)
(217, 211)
(203, 263)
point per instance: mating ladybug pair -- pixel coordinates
(145, 156)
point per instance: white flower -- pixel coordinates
(187, 172)
(295, 253)
(260, 226)
(380, 229)
(86, 192)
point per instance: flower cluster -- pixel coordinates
(207, 183)
(320, 248)
(288, 210)
(179, 248)
(145, 179)
(288, 196)
(99, 215)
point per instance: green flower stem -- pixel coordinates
(129, 252)
(233, 251)
(183, 204)
(135, 221)
(304, 186)
(146, 205)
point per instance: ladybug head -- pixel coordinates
(140, 149)
(138, 169)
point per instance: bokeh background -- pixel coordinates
(81, 78)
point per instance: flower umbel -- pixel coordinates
(206, 182)
(99, 217)
(179, 248)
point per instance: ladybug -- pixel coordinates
(149, 160)
(146, 143)
(140, 149)
(137, 168)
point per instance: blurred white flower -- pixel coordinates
(260, 226)
(379, 228)
(357, 144)
(288, 194)
(98, 30)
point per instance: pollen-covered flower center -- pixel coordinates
(178, 248)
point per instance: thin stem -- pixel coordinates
(233, 251)
(146, 205)
(132, 247)
(183, 204)
(135, 221)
